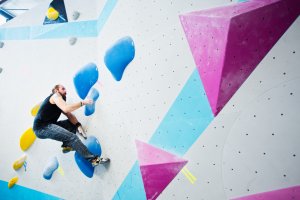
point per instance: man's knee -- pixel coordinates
(75, 138)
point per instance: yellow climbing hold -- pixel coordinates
(27, 139)
(20, 162)
(52, 14)
(35, 109)
(12, 181)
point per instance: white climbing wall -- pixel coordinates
(250, 147)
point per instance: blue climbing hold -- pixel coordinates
(85, 78)
(85, 166)
(119, 56)
(51, 166)
(90, 108)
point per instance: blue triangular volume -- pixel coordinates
(59, 6)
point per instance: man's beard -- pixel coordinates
(63, 96)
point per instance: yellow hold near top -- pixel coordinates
(12, 181)
(52, 14)
(19, 163)
(27, 138)
(35, 109)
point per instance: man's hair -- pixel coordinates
(56, 87)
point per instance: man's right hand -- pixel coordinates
(87, 101)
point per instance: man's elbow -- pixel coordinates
(66, 110)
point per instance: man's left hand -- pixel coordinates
(81, 132)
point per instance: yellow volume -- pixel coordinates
(27, 139)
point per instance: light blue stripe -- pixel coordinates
(132, 187)
(103, 17)
(90, 28)
(187, 118)
(20, 192)
(15, 33)
(72, 29)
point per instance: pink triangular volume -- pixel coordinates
(158, 168)
(228, 43)
(282, 194)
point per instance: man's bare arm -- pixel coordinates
(72, 118)
(67, 108)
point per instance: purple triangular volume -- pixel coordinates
(150, 155)
(281, 194)
(228, 43)
(158, 168)
(157, 177)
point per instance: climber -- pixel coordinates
(46, 124)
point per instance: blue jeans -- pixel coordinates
(65, 132)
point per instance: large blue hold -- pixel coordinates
(90, 108)
(85, 78)
(119, 56)
(85, 166)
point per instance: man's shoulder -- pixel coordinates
(56, 95)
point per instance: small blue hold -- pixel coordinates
(85, 166)
(85, 78)
(51, 166)
(119, 56)
(90, 108)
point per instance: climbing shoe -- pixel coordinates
(67, 149)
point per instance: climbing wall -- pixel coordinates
(173, 127)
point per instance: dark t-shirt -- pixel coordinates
(47, 114)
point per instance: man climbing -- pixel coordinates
(45, 124)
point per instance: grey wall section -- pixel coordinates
(134, 107)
